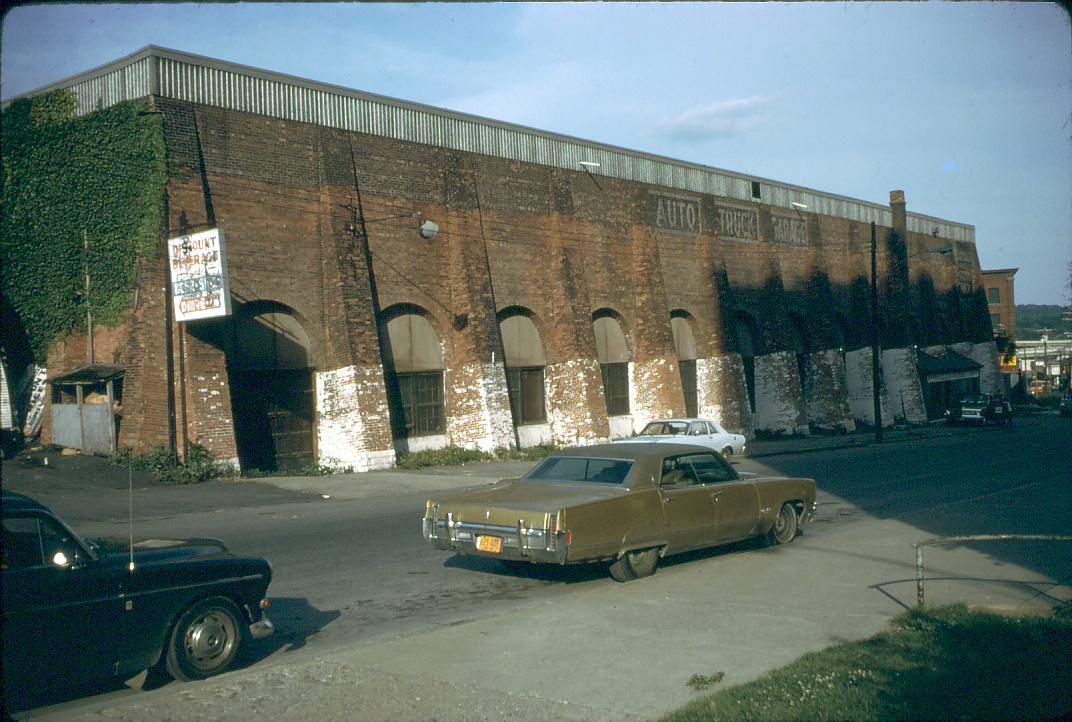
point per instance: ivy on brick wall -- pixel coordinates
(99, 177)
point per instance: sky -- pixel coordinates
(966, 107)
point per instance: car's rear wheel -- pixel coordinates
(621, 570)
(643, 562)
(205, 640)
(785, 526)
(727, 452)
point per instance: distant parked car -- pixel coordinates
(73, 612)
(626, 505)
(980, 409)
(692, 431)
(1065, 405)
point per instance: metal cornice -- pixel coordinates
(193, 78)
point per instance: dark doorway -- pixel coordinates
(272, 389)
(273, 413)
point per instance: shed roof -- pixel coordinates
(91, 374)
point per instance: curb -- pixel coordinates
(846, 445)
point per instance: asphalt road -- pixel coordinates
(353, 575)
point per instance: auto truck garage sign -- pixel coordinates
(199, 276)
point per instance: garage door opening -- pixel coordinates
(272, 394)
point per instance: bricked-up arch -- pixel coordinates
(525, 363)
(614, 355)
(748, 342)
(271, 379)
(413, 370)
(681, 324)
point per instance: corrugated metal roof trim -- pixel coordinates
(182, 76)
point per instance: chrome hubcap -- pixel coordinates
(208, 640)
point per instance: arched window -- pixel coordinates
(524, 367)
(614, 356)
(414, 373)
(685, 347)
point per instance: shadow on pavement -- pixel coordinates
(295, 621)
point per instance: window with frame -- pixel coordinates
(525, 387)
(616, 388)
(421, 403)
(993, 295)
(30, 541)
(693, 469)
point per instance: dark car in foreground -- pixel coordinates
(73, 612)
(980, 409)
(627, 505)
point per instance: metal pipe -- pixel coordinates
(935, 541)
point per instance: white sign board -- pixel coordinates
(199, 275)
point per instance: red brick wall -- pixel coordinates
(561, 244)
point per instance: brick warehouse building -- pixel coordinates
(404, 277)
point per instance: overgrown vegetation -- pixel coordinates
(166, 467)
(314, 469)
(99, 177)
(945, 663)
(454, 456)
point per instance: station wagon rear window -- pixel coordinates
(575, 468)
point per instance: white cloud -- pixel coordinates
(724, 118)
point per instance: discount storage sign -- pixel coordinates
(199, 276)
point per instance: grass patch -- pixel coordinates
(943, 663)
(455, 456)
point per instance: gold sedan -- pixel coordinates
(628, 505)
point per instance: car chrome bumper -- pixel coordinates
(518, 543)
(262, 628)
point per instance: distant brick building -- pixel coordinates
(1000, 287)
(405, 277)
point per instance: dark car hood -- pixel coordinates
(156, 551)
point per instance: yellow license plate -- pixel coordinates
(491, 544)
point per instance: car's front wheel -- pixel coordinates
(785, 526)
(205, 640)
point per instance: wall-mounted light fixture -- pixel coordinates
(798, 207)
(428, 230)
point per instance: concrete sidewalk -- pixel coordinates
(392, 482)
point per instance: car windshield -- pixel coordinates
(575, 468)
(664, 428)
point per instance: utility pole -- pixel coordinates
(874, 337)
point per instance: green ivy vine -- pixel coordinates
(101, 177)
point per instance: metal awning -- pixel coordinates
(951, 366)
